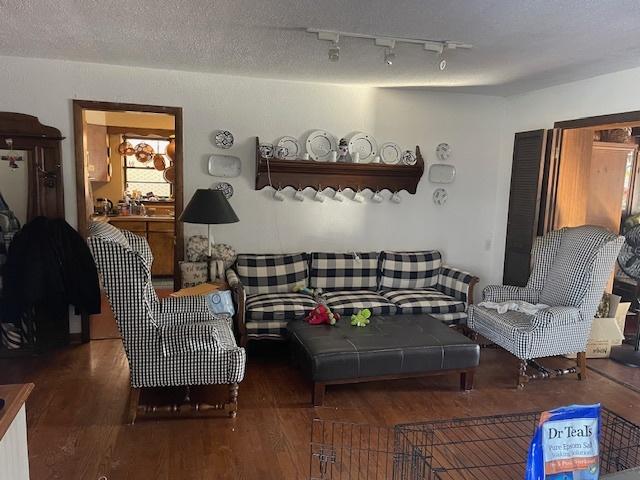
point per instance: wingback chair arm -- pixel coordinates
(506, 293)
(239, 298)
(176, 338)
(194, 304)
(185, 318)
(557, 317)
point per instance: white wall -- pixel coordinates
(249, 107)
(605, 94)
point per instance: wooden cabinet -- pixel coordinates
(97, 153)
(161, 237)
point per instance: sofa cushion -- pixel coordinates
(271, 273)
(276, 329)
(348, 302)
(278, 306)
(424, 301)
(344, 271)
(412, 270)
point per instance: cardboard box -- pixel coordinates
(605, 333)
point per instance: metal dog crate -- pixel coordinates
(471, 448)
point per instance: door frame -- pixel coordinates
(79, 106)
(600, 120)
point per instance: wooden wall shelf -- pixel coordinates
(300, 174)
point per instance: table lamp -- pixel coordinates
(208, 207)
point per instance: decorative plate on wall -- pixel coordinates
(440, 196)
(390, 153)
(293, 147)
(408, 158)
(442, 173)
(226, 188)
(320, 144)
(443, 152)
(224, 139)
(364, 144)
(225, 166)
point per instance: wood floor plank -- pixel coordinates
(76, 423)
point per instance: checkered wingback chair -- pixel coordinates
(168, 342)
(570, 269)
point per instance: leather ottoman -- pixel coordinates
(390, 347)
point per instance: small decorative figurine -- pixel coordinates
(343, 150)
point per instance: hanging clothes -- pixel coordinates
(48, 267)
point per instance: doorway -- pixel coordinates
(129, 172)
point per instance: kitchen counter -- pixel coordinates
(133, 218)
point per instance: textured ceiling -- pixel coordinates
(519, 45)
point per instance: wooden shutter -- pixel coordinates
(524, 203)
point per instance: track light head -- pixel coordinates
(334, 52)
(389, 56)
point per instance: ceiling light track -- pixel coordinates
(389, 43)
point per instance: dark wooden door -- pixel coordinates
(527, 172)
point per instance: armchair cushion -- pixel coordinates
(184, 304)
(348, 302)
(344, 271)
(424, 301)
(506, 293)
(278, 306)
(410, 269)
(271, 273)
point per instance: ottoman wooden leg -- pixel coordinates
(466, 380)
(318, 394)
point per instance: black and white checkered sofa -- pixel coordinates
(385, 282)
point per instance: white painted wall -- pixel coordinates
(248, 107)
(605, 94)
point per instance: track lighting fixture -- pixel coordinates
(334, 52)
(389, 56)
(435, 46)
(443, 63)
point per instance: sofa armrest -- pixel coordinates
(506, 293)
(457, 284)
(239, 298)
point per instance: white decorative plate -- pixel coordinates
(443, 152)
(226, 188)
(224, 139)
(224, 166)
(320, 144)
(441, 173)
(292, 145)
(440, 196)
(364, 144)
(408, 158)
(390, 153)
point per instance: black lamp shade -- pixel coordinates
(209, 207)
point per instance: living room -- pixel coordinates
(253, 70)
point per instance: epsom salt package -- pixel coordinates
(565, 444)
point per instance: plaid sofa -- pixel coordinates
(384, 282)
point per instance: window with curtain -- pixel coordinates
(144, 176)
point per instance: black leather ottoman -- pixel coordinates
(390, 347)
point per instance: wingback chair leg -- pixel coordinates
(134, 401)
(523, 378)
(233, 400)
(581, 360)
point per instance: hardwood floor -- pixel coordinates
(76, 428)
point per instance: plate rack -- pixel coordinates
(301, 174)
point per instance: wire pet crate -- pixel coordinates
(473, 448)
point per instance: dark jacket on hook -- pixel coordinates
(49, 265)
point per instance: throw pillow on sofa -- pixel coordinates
(272, 273)
(410, 270)
(344, 271)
